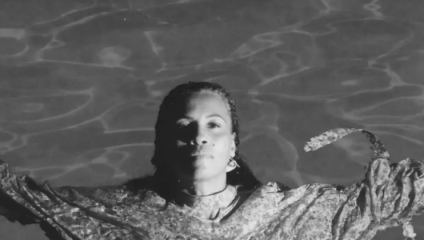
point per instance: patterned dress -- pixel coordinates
(389, 196)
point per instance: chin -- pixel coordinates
(203, 175)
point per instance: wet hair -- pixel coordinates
(241, 176)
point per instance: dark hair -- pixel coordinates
(241, 176)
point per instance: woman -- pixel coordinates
(202, 189)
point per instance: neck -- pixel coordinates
(202, 187)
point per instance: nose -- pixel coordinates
(200, 137)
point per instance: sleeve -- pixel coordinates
(72, 212)
(389, 196)
(9, 208)
(22, 199)
(16, 193)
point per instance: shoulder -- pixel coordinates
(274, 197)
(277, 192)
(268, 188)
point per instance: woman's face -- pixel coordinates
(202, 142)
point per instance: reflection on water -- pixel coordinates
(81, 81)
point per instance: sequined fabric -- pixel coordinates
(389, 196)
(208, 207)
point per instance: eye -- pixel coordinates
(213, 125)
(182, 126)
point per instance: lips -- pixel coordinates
(194, 152)
(199, 155)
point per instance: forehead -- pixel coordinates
(207, 101)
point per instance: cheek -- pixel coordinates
(223, 144)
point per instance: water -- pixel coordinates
(81, 82)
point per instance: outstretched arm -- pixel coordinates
(10, 208)
(24, 200)
(389, 196)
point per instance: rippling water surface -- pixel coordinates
(81, 82)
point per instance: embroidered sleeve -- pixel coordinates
(27, 195)
(389, 195)
(76, 213)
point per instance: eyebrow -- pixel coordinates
(216, 115)
(209, 116)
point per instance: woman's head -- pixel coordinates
(197, 133)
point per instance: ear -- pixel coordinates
(233, 146)
(231, 167)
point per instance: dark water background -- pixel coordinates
(81, 82)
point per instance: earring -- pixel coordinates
(233, 163)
